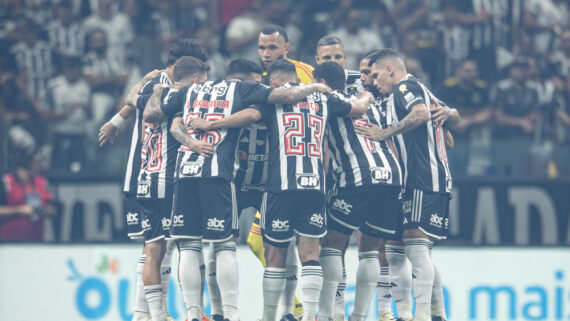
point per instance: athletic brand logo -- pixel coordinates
(342, 206)
(178, 220)
(381, 174)
(145, 224)
(191, 169)
(280, 226)
(244, 140)
(436, 220)
(317, 219)
(132, 218)
(143, 189)
(308, 180)
(215, 224)
(166, 222)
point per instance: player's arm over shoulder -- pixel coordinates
(159, 106)
(341, 107)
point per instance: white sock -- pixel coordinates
(153, 295)
(331, 263)
(384, 293)
(400, 279)
(140, 301)
(311, 284)
(339, 295)
(228, 278)
(288, 297)
(273, 286)
(417, 250)
(437, 302)
(202, 281)
(165, 272)
(188, 276)
(366, 280)
(213, 289)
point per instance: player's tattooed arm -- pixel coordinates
(152, 112)
(295, 94)
(179, 132)
(240, 119)
(417, 116)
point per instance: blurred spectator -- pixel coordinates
(69, 111)
(116, 26)
(408, 14)
(66, 35)
(25, 200)
(39, 11)
(358, 38)
(165, 24)
(516, 101)
(34, 58)
(241, 35)
(544, 19)
(469, 95)
(559, 60)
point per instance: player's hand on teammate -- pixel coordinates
(368, 95)
(321, 88)
(200, 124)
(440, 113)
(372, 132)
(108, 134)
(202, 147)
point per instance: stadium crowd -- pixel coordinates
(65, 66)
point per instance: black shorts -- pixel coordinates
(246, 199)
(204, 208)
(372, 209)
(133, 216)
(156, 218)
(427, 212)
(287, 213)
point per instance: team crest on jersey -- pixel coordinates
(308, 180)
(381, 174)
(191, 170)
(403, 88)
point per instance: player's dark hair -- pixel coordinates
(371, 53)
(281, 66)
(383, 54)
(332, 73)
(186, 47)
(329, 41)
(189, 67)
(70, 62)
(270, 29)
(242, 66)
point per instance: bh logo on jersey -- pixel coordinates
(132, 218)
(215, 224)
(143, 189)
(280, 226)
(177, 220)
(317, 220)
(308, 180)
(381, 174)
(191, 170)
(341, 206)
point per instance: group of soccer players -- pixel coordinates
(319, 153)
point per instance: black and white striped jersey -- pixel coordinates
(358, 161)
(252, 153)
(353, 83)
(296, 135)
(67, 40)
(212, 100)
(422, 149)
(158, 157)
(134, 159)
(37, 62)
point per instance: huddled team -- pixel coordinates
(319, 152)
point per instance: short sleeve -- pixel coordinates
(252, 93)
(407, 94)
(338, 107)
(142, 100)
(173, 103)
(264, 110)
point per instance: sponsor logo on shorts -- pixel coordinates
(342, 206)
(177, 220)
(145, 224)
(317, 220)
(166, 222)
(191, 169)
(280, 226)
(407, 206)
(308, 180)
(436, 220)
(215, 224)
(381, 174)
(143, 189)
(132, 218)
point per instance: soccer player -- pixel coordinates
(331, 49)
(427, 178)
(273, 44)
(204, 204)
(365, 198)
(109, 132)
